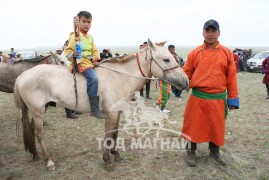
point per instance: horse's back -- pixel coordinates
(45, 83)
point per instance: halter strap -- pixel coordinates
(164, 70)
(138, 63)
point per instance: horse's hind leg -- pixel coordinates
(35, 154)
(38, 119)
(117, 157)
(109, 128)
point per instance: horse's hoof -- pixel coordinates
(118, 158)
(51, 168)
(51, 165)
(109, 167)
(36, 157)
(45, 123)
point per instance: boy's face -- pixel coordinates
(85, 23)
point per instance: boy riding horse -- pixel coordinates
(89, 55)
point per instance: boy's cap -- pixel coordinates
(211, 22)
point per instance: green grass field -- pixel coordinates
(73, 145)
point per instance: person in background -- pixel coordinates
(1, 56)
(240, 61)
(90, 58)
(212, 73)
(165, 90)
(145, 44)
(265, 66)
(105, 54)
(18, 58)
(11, 58)
(179, 60)
(236, 60)
(13, 52)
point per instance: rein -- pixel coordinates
(140, 69)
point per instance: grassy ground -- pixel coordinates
(74, 149)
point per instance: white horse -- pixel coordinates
(37, 87)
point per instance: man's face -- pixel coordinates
(85, 23)
(172, 50)
(211, 35)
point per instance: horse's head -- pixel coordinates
(55, 59)
(165, 67)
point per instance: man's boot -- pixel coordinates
(190, 149)
(190, 159)
(214, 153)
(95, 111)
(70, 114)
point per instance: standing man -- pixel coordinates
(179, 60)
(212, 73)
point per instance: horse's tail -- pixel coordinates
(28, 128)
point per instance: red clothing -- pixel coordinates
(236, 60)
(265, 65)
(210, 71)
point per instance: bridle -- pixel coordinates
(151, 60)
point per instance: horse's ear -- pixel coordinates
(52, 53)
(152, 46)
(161, 43)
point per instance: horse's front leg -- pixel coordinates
(109, 128)
(38, 121)
(117, 157)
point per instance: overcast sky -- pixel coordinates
(40, 23)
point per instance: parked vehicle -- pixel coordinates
(28, 55)
(255, 63)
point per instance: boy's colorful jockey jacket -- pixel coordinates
(88, 50)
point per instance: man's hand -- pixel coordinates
(231, 107)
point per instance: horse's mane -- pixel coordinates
(120, 59)
(126, 58)
(33, 60)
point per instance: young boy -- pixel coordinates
(90, 57)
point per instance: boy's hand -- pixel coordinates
(76, 20)
(95, 61)
(75, 54)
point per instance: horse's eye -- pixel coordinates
(166, 60)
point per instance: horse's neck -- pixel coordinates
(131, 72)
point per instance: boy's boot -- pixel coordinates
(95, 111)
(70, 114)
